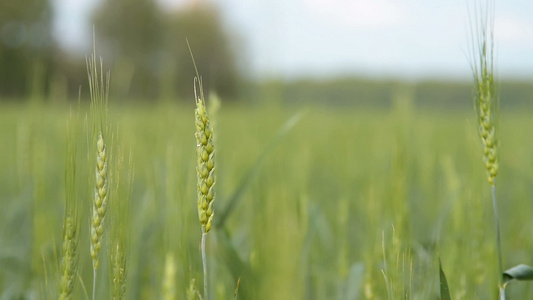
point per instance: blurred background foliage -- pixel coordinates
(145, 48)
(26, 48)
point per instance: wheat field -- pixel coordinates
(326, 203)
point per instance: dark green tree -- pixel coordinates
(25, 47)
(148, 49)
(132, 33)
(211, 45)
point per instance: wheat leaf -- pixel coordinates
(444, 290)
(521, 272)
(253, 171)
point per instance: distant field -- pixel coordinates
(346, 200)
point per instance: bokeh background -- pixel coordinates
(244, 48)
(348, 160)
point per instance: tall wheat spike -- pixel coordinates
(100, 201)
(486, 103)
(205, 170)
(119, 229)
(99, 89)
(486, 100)
(69, 260)
(205, 166)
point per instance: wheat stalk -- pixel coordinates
(205, 171)
(99, 207)
(205, 166)
(118, 259)
(99, 90)
(119, 212)
(486, 103)
(69, 260)
(100, 201)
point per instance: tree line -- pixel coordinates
(144, 44)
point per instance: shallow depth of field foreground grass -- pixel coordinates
(348, 204)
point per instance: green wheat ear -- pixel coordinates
(205, 165)
(119, 272)
(119, 233)
(69, 261)
(99, 90)
(100, 200)
(486, 100)
(486, 103)
(71, 226)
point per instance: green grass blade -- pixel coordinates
(520, 272)
(444, 290)
(239, 269)
(355, 280)
(253, 171)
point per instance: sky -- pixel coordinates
(398, 39)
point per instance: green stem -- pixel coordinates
(502, 293)
(204, 263)
(498, 242)
(94, 281)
